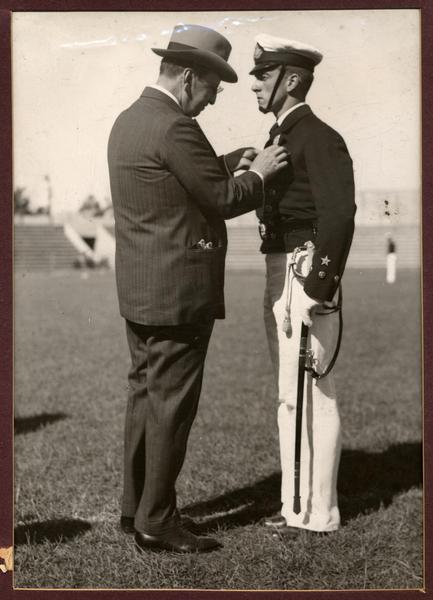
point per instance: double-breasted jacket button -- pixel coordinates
(322, 274)
(336, 278)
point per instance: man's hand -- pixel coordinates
(240, 159)
(308, 306)
(270, 161)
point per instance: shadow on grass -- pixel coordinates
(29, 424)
(55, 530)
(366, 481)
(239, 507)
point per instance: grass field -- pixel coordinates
(71, 362)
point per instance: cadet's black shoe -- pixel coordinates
(175, 540)
(286, 533)
(127, 524)
(291, 533)
(275, 522)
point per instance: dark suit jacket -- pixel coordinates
(170, 191)
(317, 187)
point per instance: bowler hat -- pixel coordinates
(196, 45)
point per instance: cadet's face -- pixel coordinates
(263, 86)
(204, 91)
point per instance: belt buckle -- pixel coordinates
(265, 232)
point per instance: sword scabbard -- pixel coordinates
(299, 410)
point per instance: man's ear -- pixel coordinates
(292, 82)
(187, 78)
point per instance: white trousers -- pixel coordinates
(321, 430)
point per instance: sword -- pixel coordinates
(299, 408)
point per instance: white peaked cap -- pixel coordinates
(271, 50)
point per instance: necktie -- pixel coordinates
(273, 132)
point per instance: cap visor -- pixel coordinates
(263, 67)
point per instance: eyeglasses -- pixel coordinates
(214, 89)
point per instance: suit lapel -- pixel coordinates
(288, 123)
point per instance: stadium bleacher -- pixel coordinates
(45, 247)
(368, 247)
(42, 247)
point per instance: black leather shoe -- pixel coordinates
(286, 533)
(275, 522)
(291, 533)
(175, 540)
(190, 525)
(127, 524)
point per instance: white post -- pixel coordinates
(391, 260)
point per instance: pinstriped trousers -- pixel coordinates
(165, 381)
(321, 435)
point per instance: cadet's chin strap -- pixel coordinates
(276, 86)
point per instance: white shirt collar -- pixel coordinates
(164, 91)
(284, 115)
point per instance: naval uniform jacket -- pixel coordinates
(316, 188)
(169, 192)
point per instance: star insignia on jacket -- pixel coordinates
(325, 260)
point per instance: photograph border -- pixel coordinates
(6, 281)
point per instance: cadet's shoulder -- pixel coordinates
(316, 128)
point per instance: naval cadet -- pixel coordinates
(306, 224)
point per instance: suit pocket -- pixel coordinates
(202, 254)
(205, 274)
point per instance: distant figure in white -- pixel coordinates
(391, 260)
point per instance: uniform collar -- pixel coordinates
(287, 112)
(294, 116)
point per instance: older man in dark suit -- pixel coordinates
(171, 194)
(307, 224)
